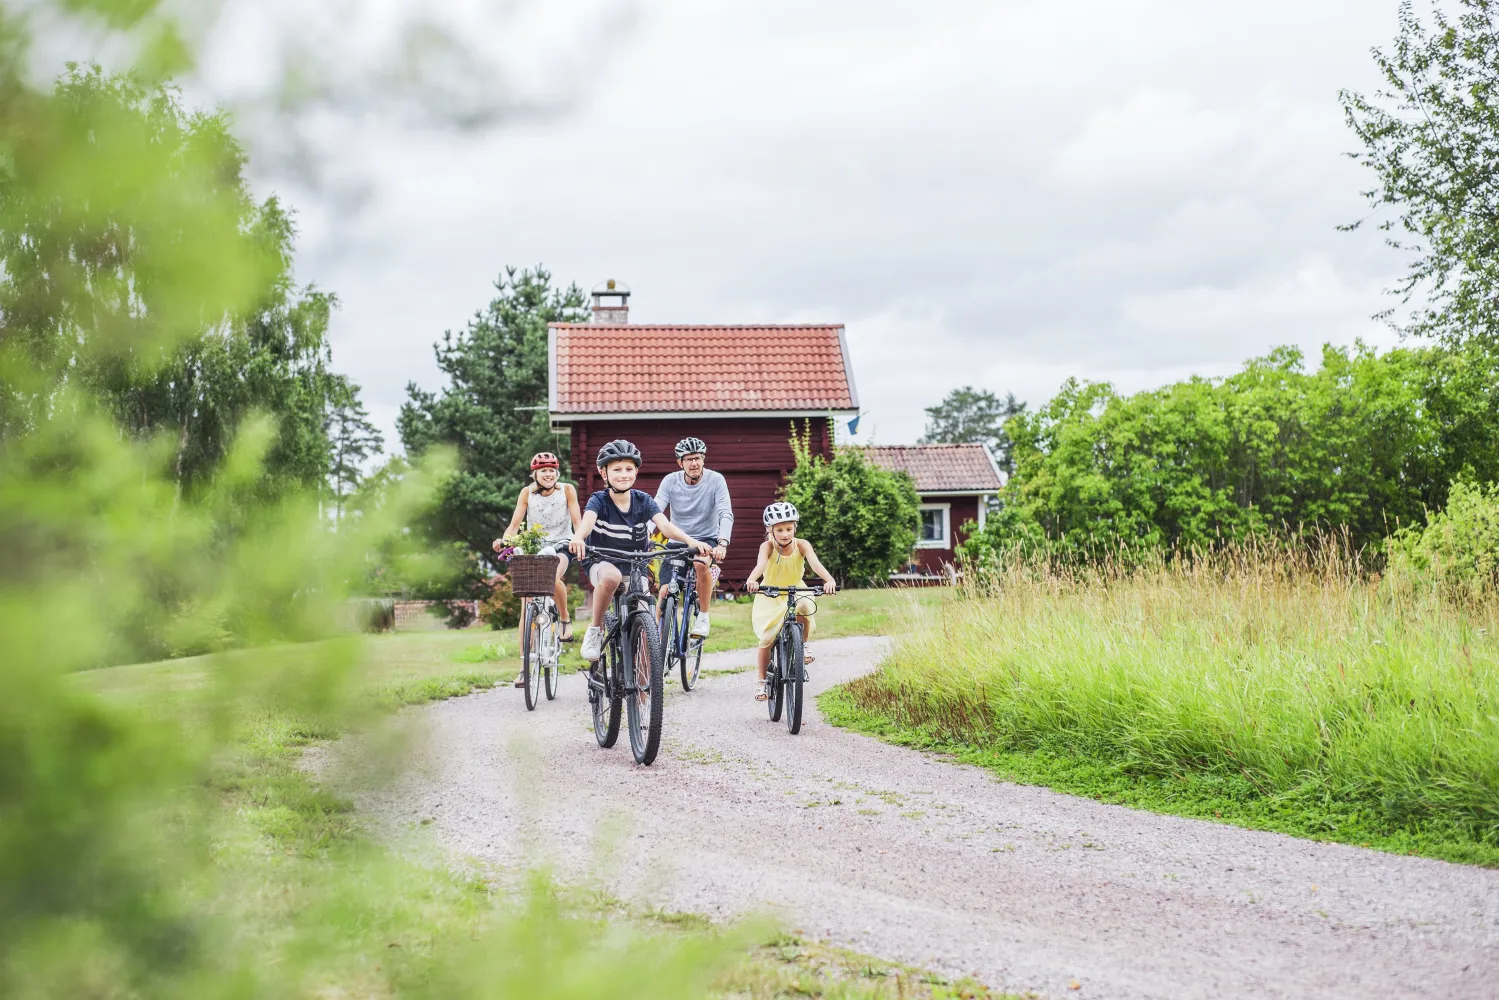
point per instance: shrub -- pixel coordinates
(501, 609)
(1458, 550)
(860, 517)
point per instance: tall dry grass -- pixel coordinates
(1283, 667)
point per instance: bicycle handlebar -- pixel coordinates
(640, 555)
(791, 591)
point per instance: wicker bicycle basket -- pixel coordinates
(533, 576)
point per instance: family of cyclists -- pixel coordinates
(691, 506)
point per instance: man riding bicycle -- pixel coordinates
(698, 501)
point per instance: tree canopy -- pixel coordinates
(493, 410)
(974, 416)
(1367, 443)
(1430, 137)
(138, 269)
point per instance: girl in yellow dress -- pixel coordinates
(783, 560)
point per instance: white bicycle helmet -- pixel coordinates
(691, 446)
(780, 512)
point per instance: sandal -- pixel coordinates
(565, 633)
(520, 680)
(762, 696)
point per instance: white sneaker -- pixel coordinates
(700, 625)
(593, 643)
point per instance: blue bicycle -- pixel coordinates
(683, 649)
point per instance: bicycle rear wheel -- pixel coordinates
(794, 670)
(774, 685)
(530, 654)
(692, 647)
(606, 702)
(645, 705)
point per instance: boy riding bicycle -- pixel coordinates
(698, 501)
(784, 559)
(617, 517)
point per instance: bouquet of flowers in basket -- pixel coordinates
(528, 542)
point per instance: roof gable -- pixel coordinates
(940, 468)
(599, 369)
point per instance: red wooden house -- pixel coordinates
(739, 388)
(954, 483)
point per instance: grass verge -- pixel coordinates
(1283, 698)
(330, 913)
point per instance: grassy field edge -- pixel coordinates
(1191, 795)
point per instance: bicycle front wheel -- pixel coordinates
(605, 697)
(774, 682)
(691, 649)
(794, 677)
(645, 704)
(670, 629)
(530, 654)
(553, 652)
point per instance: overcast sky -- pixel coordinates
(997, 192)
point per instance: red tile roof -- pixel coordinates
(940, 468)
(598, 368)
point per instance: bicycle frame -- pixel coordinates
(634, 589)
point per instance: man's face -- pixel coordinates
(546, 478)
(784, 533)
(692, 465)
(621, 473)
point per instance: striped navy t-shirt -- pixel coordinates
(619, 529)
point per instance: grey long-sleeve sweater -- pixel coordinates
(703, 510)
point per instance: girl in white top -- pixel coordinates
(554, 506)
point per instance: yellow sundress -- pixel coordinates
(768, 613)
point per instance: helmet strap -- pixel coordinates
(616, 490)
(689, 480)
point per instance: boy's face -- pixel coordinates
(621, 473)
(784, 533)
(546, 478)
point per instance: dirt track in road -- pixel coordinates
(912, 858)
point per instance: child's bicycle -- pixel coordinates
(787, 673)
(677, 615)
(629, 674)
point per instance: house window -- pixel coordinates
(935, 532)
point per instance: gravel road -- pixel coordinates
(912, 858)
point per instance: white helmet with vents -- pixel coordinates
(691, 446)
(781, 512)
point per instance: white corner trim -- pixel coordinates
(551, 370)
(848, 366)
(993, 463)
(945, 542)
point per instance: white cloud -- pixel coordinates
(987, 192)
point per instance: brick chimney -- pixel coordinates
(611, 302)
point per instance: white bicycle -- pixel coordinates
(540, 648)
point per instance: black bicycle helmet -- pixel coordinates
(691, 446)
(614, 451)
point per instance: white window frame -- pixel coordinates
(945, 542)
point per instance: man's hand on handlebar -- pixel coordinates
(576, 547)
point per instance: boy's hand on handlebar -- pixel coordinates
(576, 547)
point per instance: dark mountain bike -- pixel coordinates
(629, 674)
(787, 673)
(677, 614)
